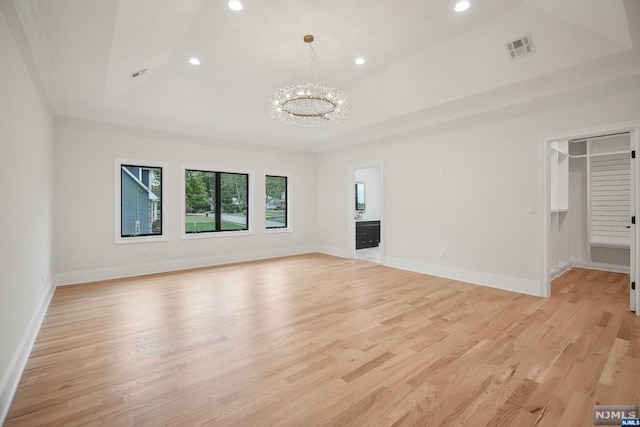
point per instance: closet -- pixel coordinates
(590, 203)
(559, 207)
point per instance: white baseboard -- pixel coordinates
(560, 271)
(513, 284)
(601, 266)
(11, 377)
(339, 252)
(85, 276)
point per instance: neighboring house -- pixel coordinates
(275, 202)
(139, 203)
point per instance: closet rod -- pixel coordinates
(599, 136)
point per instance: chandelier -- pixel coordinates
(308, 104)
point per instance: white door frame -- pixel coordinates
(634, 128)
(351, 199)
(635, 210)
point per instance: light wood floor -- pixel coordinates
(317, 340)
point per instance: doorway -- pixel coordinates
(591, 203)
(365, 213)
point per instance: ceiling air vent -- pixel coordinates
(520, 47)
(139, 73)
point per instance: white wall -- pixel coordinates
(26, 182)
(372, 192)
(84, 202)
(611, 256)
(455, 198)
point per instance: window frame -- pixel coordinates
(146, 238)
(184, 235)
(289, 227)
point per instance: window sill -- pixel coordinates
(277, 230)
(140, 239)
(195, 236)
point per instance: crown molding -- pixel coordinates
(607, 71)
(234, 141)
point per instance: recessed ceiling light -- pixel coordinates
(194, 61)
(360, 61)
(461, 6)
(235, 5)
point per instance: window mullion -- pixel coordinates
(218, 201)
(286, 201)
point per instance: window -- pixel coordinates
(140, 201)
(215, 201)
(276, 202)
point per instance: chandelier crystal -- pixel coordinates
(308, 104)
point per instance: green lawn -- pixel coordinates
(195, 223)
(275, 215)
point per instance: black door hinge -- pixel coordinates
(633, 154)
(633, 285)
(633, 219)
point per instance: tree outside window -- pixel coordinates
(216, 201)
(276, 202)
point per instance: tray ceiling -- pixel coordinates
(421, 57)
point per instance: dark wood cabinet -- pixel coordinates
(367, 234)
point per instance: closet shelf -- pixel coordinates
(609, 153)
(612, 242)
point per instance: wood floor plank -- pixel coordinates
(319, 340)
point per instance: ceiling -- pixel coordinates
(424, 61)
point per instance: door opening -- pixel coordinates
(365, 213)
(592, 198)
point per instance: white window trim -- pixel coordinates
(289, 227)
(208, 168)
(118, 239)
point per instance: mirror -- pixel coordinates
(359, 196)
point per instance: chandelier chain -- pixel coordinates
(314, 59)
